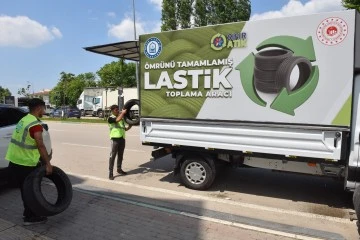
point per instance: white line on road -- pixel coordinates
(191, 215)
(93, 146)
(60, 130)
(194, 196)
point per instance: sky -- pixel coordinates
(41, 38)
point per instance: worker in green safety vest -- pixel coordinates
(25, 150)
(117, 137)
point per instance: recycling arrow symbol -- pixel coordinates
(288, 99)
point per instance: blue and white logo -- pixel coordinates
(153, 47)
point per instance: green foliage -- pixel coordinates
(168, 15)
(69, 88)
(25, 91)
(4, 92)
(118, 74)
(184, 13)
(351, 4)
(221, 11)
(178, 13)
(201, 13)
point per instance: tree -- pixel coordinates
(351, 4)
(184, 13)
(168, 15)
(118, 74)
(25, 91)
(4, 92)
(201, 12)
(210, 12)
(70, 86)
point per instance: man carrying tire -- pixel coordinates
(25, 150)
(117, 137)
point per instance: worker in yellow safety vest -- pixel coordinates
(117, 137)
(25, 150)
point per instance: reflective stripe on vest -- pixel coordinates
(26, 131)
(22, 144)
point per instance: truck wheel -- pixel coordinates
(100, 114)
(34, 198)
(196, 173)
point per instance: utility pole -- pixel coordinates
(134, 19)
(137, 63)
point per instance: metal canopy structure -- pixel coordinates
(126, 50)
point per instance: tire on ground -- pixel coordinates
(36, 201)
(200, 165)
(128, 118)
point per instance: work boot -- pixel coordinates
(111, 176)
(121, 172)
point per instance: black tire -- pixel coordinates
(194, 180)
(36, 201)
(129, 119)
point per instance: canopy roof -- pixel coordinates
(126, 50)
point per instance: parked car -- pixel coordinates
(48, 109)
(9, 117)
(66, 111)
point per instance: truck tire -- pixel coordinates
(129, 118)
(34, 198)
(100, 114)
(196, 173)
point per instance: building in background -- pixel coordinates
(44, 95)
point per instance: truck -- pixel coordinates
(280, 94)
(85, 101)
(102, 102)
(110, 96)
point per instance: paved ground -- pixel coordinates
(242, 204)
(92, 216)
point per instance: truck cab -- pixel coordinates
(97, 107)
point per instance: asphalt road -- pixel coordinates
(300, 201)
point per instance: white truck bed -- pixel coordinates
(288, 140)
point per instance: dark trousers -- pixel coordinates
(117, 148)
(17, 176)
